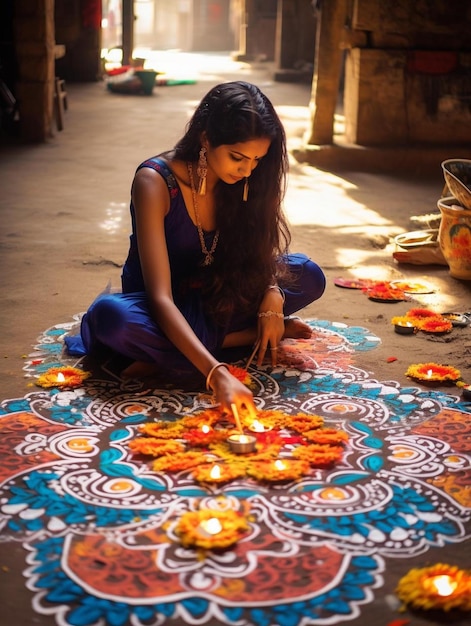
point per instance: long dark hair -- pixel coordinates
(253, 234)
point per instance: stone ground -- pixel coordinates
(65, 224)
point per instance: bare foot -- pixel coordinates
(139, 369)
(295, 328)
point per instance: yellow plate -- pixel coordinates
(412, 287)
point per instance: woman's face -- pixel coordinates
(232, 162)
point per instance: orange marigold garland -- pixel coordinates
(217, 473)
(209, 417)
(302, 423)
(280, 470)
(155, 447)
(162, 430)
(241, 374)
(433, 372)
(198, 437)
(196, 528)
(201, 430)
(271, 418)
(318, 455)
(179, 461)
(326, 436)
(60, 377)
(440, 586)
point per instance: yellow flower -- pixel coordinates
(178, 461)
(162, 430)
(433, 372)
(191, 528)
(155, 447)
(62, 377)
(421, 588)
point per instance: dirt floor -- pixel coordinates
(65, 226)
(65, 223)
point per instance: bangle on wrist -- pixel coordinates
(271, 314)
(278, 288)
(211, 372)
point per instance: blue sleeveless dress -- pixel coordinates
(122, 321)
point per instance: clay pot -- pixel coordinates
(454, 237)
(457, 173)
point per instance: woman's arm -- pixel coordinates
(271, 326)
(152, 202)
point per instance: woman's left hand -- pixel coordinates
(271, 325)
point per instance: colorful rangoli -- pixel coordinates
(100, 525)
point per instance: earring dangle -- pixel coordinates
(246, 190)
(202, 170)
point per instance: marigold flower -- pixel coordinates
(433, 372)
(420, 588)
(326, 436)
(62, 377)
(191, 526)
(436, 325)
(155, 447)
(178, 462)
(162, 430)
(279, 470)
(319, 456)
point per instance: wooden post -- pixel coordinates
(327, 70)
(34, 42)
(128, 31)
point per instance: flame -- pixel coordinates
(429, 373)
(442, 585)
(257, 427)
(212, 526)
(60, 377)
(280, 465)
(205, 428)
(215, 472)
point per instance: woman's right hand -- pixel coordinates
(229, 391)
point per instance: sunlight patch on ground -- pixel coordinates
(113, 221)
(315, 197)
(192, 66)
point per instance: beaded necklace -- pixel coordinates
(208, 254)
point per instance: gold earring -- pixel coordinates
(246, 189)
(202, 170)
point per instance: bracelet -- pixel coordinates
(271, 314)
(211, 372)
(282, 293)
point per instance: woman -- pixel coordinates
(208, 266)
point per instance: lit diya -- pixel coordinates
(216, 473)
(441, 586)
(203, 436)
(60, 377)
(258, 427)
(404, 328)
(424, 320)
(458, 319)
(279, 470)
(211, 529)
(242, 444)
(466, 392)
(433, 372)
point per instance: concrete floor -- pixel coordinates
(65, 223)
